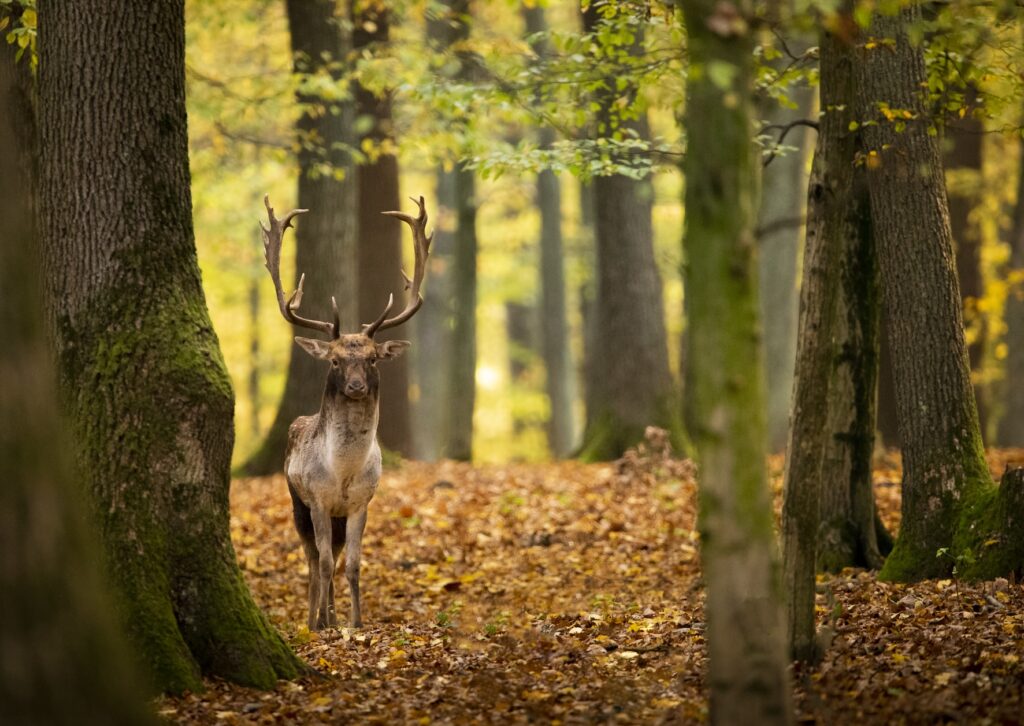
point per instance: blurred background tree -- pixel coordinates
(535, 112)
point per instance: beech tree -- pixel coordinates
(554, 326)
(634, 387)
(952, 515)
(63, 660)
(326, 237)
(452, 31)
(747, 669)
(140, 372)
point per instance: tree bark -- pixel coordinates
(558, 381)
(1011, 429)
(62, 659)
(944, 471)
(828, 517)
(747, 672)
(325, 239)
(849, 533)
(783, 205)
(141, 374)
(634, 387)
(380, 237)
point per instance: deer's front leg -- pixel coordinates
(313, 564)
(353, 554)
(325, 564)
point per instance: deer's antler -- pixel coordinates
(272, 238)
(421, 242)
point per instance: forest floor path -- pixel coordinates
(572, 593)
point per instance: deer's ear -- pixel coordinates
(316, 348)
(392, 348)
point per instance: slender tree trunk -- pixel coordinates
(325, 239)
(462, 373)
(62, 659)
(141, 373)
(448, 32)
(887, 426)
(558, 380)
(944, 471)
(432, 331)
(588, 370)
(255, 399)
(782, 207)
(962, 157)
(747, 672)
(634, 386)
(380, 237)
(807, 438)
(1011, 429)
(519, 318)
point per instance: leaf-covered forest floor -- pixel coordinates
(572, 593)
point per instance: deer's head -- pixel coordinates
(353, 356)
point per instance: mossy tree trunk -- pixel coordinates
(63, 660)
(380, 237)
(558, 380)
(634, 387)
(325, 239)
(141, 374)
(948, 498)
(747, 673)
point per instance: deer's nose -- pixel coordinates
(356, 385)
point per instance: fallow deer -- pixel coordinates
(333, 462)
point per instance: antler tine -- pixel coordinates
(421, 246)
(272, 239)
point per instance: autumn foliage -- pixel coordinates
(573, 592)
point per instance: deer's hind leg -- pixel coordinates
(304, 527)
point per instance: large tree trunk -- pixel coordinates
(1011, 428)
(558, 380)
(380, 237)
(849, 532)
(948, 498)
(725, 387)
(141, 373)
(784, 182)
(325, 239)
(62, 659)
(634, 385)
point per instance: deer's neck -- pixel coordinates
(347, 426)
